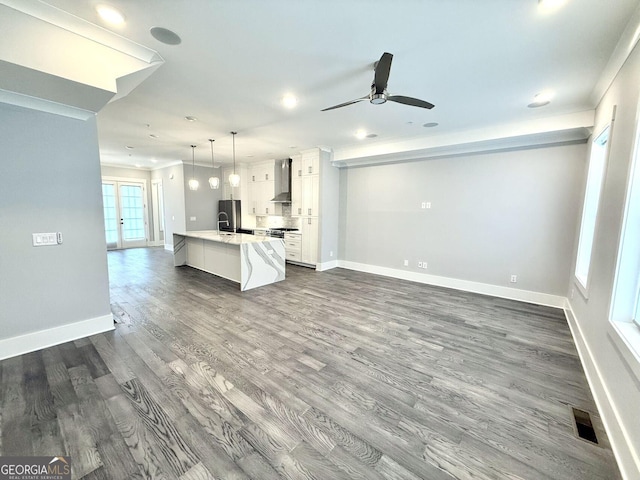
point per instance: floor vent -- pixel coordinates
(584, 427)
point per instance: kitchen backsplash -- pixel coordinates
(284, 221)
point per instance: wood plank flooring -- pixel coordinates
(327, 375)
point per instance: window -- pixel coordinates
(625, 300)
(597, 163)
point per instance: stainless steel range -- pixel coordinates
(279, 232)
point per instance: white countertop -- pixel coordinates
(229, 238)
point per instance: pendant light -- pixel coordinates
(234, 178)
(193, 183)
(214, 182)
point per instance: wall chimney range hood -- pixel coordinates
(282, 181)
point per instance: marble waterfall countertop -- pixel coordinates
(226, 237)
(246, 259)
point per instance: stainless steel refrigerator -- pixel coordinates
(233, 215)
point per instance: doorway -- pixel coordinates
(125, 213)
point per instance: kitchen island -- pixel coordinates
(246, 259)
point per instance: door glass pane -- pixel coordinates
(132, 212)
(110, 214)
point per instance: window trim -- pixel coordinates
(623, 319)
(583, 288)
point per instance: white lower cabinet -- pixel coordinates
(292, 247)
(309, 240)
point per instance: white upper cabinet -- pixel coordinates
(261, 188)
(311, 162)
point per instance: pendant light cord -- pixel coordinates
(212, 163)
(193, 161)
(234, 151)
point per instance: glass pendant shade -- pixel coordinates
(234, 178)
(214, 182)
(193, 183)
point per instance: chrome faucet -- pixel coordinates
(222, 221)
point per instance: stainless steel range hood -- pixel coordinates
(282, 181)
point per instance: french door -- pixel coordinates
(125, 214)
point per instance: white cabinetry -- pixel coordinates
(261, 189)
(292, 246)
(311, 162)
(305, 202)
(309, 241)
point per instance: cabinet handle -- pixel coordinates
(300, 172)
(308, 221)
(299, 211)
(310, 169)
(253, 178)
(267, 210)
(309, 212)
(254, 209)
(266, 176)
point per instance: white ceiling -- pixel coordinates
(479, 62)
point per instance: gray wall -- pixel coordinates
(612, 358)
(174, 211)
(201, 203)
(491, 216)
(50, 182)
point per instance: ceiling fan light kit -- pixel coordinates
(379, 94)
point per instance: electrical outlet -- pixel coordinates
(514, 279)
(406, 263)
(331, 253)
(419, 264)
(424, 205)
(192, 219)
(428, 205)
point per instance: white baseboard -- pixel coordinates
(30, 342)
(169, 247)
(465, 285)
(627, 458)
(321, 267)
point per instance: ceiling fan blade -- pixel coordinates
(414, 102)
(344, 104)
(381, 76)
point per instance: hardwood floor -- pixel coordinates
(332, 375)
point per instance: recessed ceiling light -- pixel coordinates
(129, 147)
(550, 5)
(372, 135)
(360, 134)
(110, 14)
(409, 122)
(165, 36)
(541, 99)
(189, 118)
(289, 101)
(153, 135)
(431, 124)
(293, 146)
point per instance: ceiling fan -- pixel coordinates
(379, 93)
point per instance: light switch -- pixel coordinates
(193, 219)
(42, 239)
